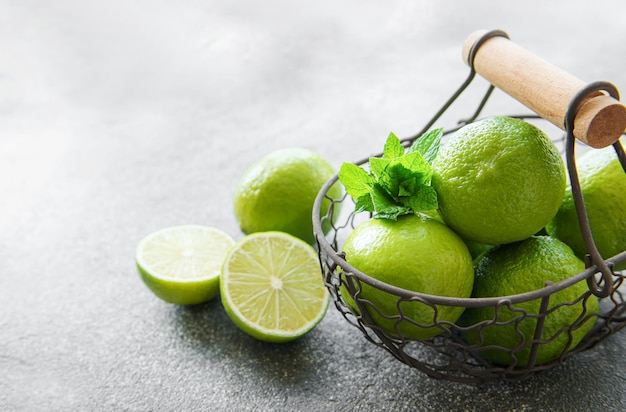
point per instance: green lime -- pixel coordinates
(181, 264)
(272, 287)
(278, 191)
(523, 267)
(498, 180)
(603, 185)
(416, 253)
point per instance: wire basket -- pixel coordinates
(449, 355)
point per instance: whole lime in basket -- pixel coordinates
(507, 337)
(603, 185)
(405, 245)
(277, 192)
(498, 180)
(416, 253)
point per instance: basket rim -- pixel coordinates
(548, 290)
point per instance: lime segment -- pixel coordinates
(271, 287)
(181, 264)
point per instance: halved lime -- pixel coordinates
(271, 287)
(181, 264)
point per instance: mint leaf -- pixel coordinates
(378, 165)
(385, 206)
(356, 180)
(393, 147)
(428, 144)
(364, 204)
(404, 175)
(418, 166)
(397, 179)
(398, 182)
(423, 198)
(392, 177)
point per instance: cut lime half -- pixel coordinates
(181, 264)
(272, 288)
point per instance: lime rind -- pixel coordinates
(184, 293)
(182, 264)
(270, 282)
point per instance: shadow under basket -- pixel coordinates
(449, 355)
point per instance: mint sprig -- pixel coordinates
(398, 183)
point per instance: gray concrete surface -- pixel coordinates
(118, 118)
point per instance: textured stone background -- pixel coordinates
(118, 118)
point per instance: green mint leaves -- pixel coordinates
(398, 183)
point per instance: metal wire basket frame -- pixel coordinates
(448, 355)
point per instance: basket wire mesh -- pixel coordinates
(448, 355)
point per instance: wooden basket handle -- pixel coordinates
(545, 89)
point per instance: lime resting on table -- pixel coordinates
(182, 264)
(271, 287)
(277, 193)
